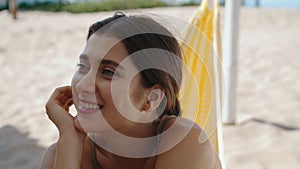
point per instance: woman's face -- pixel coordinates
(104, 85)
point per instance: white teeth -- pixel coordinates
(88, 106)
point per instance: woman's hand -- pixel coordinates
(57, 109)
(71, 136)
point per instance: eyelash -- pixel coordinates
(104, 71)
(108, 72)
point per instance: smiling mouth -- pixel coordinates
(90, 106)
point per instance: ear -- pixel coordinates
(154, 99)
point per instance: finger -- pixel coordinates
(68, 104)
(61, 94)
(57, 97)
(64, 89)
(65, 98)
(67, 92)
(61, 90)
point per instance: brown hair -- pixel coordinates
(138, 33)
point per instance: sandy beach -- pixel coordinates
(38, 53)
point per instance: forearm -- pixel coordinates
(68, 152)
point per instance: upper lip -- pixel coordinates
(89, 101)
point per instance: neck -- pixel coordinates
(131, 142)
(117, 161)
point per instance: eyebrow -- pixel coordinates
(103, 61)
(110, 62)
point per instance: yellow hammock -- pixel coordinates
(202, 93)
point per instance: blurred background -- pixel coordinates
(39, 50)
(78, 6)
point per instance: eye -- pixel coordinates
(82, 67)
(108, 72)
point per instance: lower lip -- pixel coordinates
(87, 111)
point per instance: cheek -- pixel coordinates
(137, 94)
(103, 92)
(120, 95)
(75, 80)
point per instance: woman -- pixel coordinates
(125, 91)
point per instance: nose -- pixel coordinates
(86, 84)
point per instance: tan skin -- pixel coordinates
(72, 149)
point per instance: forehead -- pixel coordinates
(103, 46)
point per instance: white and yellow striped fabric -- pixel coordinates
(201, 94)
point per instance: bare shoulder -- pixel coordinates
(184, 145)
(49, 157)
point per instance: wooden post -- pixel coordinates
(230, 51)
(13, 8)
